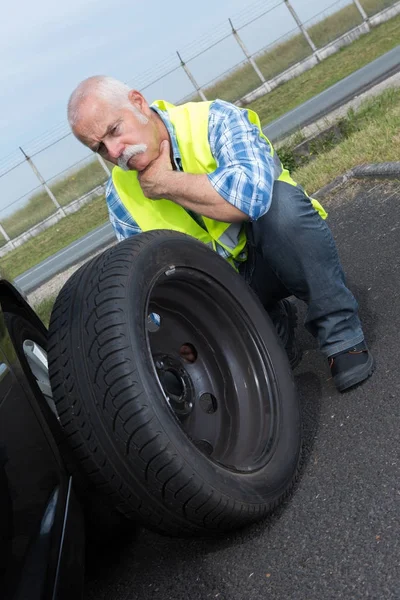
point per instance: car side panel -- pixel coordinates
(34, 486)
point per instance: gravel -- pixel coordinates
(54, 285)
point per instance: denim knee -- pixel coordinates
(299, 247)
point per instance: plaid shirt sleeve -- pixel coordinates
(122, 221)
(245, 173)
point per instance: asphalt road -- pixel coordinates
(338, 536)
(71, 254)
(304, 114)
(338, 94)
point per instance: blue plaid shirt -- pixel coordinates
(244, 175)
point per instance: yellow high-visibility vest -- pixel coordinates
(190, 122)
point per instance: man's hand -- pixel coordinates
(152, 179)
(192, 191)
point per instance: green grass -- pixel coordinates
(294, 156)
(44, 308)
(280, 57)
(335, 25)
(283, 55)
(79, 182)
(376, 126)
(328, 72)
(55, 238)
(39, 207)
(372, 7)
(244, 79)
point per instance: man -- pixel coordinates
(206, 169)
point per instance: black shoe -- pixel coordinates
(351, 366)
(284, 317)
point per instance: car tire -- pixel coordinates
(173, 388)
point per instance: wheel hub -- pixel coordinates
(176, 383)
(213, 369)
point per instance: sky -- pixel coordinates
(47, 48)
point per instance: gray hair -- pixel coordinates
(111, 90)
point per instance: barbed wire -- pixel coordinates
(33, 154)
(289, 34)
(259, 16)
(34, 147)
(223, 28)
(48, 132)
(14, 166)
(226, 73)
(32, 191)
(148, 77)
(228, 35)
(154, 74)
(166, 67)
(145, 87)
(326, 10)
(72, 167)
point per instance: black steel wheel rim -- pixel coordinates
(226, 399)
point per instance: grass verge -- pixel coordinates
(44, 308)
(376, 139)
(296, 91)
(372, 7)
(291, 50)
(298, 151)
(39, 206)
(55, 238)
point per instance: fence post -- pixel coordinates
(103, 163)
(192, 79)
(249, 57)
(302, 29)
(6, 236)
(43, 182)
(362, 13)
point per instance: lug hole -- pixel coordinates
(208, 403)
(204, 446)
(188, 352)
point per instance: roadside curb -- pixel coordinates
(386, 170)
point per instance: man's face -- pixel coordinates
(117, 134)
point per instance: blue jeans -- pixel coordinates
(292, 252)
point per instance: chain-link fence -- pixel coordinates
(232, 60)
(38, 168)
(372, 7)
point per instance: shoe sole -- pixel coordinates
(354, 376)
(292, 312)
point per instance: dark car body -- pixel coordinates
(41, 522)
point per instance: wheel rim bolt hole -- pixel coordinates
(188, 353)
(208, 403)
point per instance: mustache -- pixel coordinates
(127, 154)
